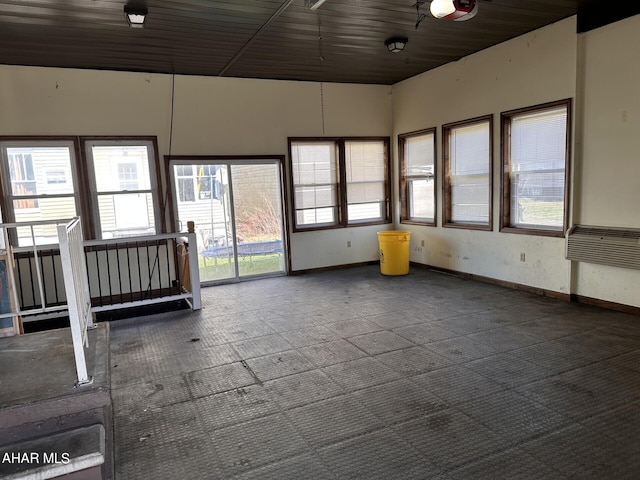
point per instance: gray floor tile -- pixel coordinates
(306, 403)
(185, 458)
(279, 365)
(513, 464)
(583, 392)
(458, 384)
(357, 326)
(425, 333)
(330, 353)
(414, 360)
(218, 379)
(461, 349)
(302, 466)
(259, 346)
(150, 394)
(302, 388)
(361, 373)
(579, 452)
(514, 417)
(621, 425)
(380, 342)
(234, 406)
(256, 443)
(311, 335)
(378, 455)
(399, 401)
(508, 370)
(450, 439)
(330, 421)
(155, 426)
(504, 339)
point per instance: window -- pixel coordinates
(123, 185)
(184, 176)
(208, 182)
(199, 182)
(36, 185)
(418, 177)
(339, 182)
(467, 173)
(116, 195)
(535, 161)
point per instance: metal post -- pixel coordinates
(194, 272)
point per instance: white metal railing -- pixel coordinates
(76, 296)
(111, 258)
(5, 242)
(74, 271)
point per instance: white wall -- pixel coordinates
(212, 116)
(608, 175)
(532, 69)
(222, 116)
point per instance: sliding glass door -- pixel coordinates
(236, 206)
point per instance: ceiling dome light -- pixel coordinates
(135, 16)
(396, 44)
(456, 10)
(442, 8)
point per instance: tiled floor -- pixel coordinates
(349, 374)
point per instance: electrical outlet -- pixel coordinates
(348, 243)
(522, 257)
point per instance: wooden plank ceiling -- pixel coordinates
(341, 41)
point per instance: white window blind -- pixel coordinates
(469, 167)
(420, 177)
(315, 182)
(537, 166)
(365, 168)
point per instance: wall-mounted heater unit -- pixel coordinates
(617, 247)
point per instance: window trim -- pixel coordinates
(505, 176)
(342, 201)
(404, 184)
(446, 177)
(26, 141)
(91, 193)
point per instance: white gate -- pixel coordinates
(76, 286)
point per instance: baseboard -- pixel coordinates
(543, 292)
(333, 267)
(619, 307)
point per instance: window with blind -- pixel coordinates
(535, 161)
(314, 170)
(417, 177)
(468, 180)
(339, 182)
(39, 185)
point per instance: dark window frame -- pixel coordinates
(447, 222)
(505, 167)
(6, 197)
(404, 179)
(91, 197)
(342, 201)
(80, 176)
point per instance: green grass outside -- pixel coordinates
(541, 213)
(222, 268)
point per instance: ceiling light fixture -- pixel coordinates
(135, 16)
(313, 4)
(456, 10)
(396, 44)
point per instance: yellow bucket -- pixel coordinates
(394, 252)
